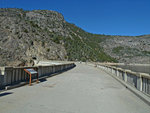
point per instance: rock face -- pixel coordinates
(45, 35)
(128, 49)
(26, 34)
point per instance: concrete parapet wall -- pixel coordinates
(141, 81)
(15, 75)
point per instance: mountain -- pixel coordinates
(45, 35)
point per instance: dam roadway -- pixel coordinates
(83, 89)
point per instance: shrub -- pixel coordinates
(25, 30)
(48, 49)
(117, 49)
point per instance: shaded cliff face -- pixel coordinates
(45, 35)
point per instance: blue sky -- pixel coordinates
(111, 17)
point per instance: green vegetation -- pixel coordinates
(146, 53)
(86, 49)
(57, 39)
(129, 52)
(31, 42)
(117, 49)
(48, 49)
(81, 46)
(25, 30)
(33, 24)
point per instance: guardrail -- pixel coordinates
(141, 81)
(16, 75)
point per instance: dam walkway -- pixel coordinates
(83, 89)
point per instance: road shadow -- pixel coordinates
(42, 80)
(5, 94)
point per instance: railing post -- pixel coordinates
(39, 71)
(125, 76)
(111, 69)
(8, 75)
(117, 73)
(2, 72)
(139, 82)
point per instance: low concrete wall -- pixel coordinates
(15, 75)
(141, 81)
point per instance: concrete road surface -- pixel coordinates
(84, 89)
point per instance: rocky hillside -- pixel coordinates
(128, 49)
(45, 35)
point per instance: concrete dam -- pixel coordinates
(75, 88)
